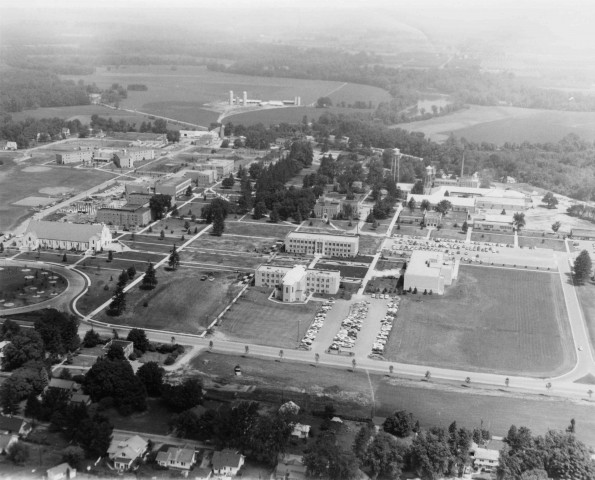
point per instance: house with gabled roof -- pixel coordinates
(125, 452)
(14, 426)
(66, 236)
(60, 472)
(227, 462)
(177, 458)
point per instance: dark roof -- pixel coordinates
(10, 424)
(226, 458)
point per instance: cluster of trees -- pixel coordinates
(30, 89)
(259, 436)
(215, 213)
(257, 136)
(114, 94)
(25, 132)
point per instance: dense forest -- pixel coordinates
(30, 89)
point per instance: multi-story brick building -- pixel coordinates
(332, 245)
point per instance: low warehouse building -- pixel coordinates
(429, 271)
(494, 223)
(582, 234)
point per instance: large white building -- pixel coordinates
(77, 156)
(429, 271)
(294, 284)
(494, 223)
(66, 236)
(322, 244)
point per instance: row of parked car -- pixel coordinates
(350, 326)
(386, 327)
(319, 319)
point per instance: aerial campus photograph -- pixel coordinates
(297, 240)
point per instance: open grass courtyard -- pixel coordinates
(181, 302)
(258, 320)
(491, 319)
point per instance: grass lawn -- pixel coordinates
(97, 295)
(557, 245)
(492, 237)
(52, 256)
(19, 291)
(381, 229)
(497, 320)
(181, 302)
(152, 243)
(234, 243)
(586, 296)
(232, 261)
(256, 319)
(448, 234)
(272, 230)
(154, 420)
(389, 264)
(413, 230)
(313, 387)
(382, 285)
(368, 244)
(346, 270)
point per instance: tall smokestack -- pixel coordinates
(231, 97)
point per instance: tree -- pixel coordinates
(465, 227)
(418, 188)
(269, 437)
(430, 454)
(18, 453)
(274, 216)
(151, 374)
(582, 266)
(94, 435)
(443, 207)
(25, 346)
(325, 459)
(118, 303)
(218, 224)
(399, 424)
(228, 182)
(556, 226)
(150, 279)
(115, 378)
(115, 352)
(324, 102)
(519, 220)
(183, 396)
(131, 271)
(139, 338)
(188, 192)
(424, 205)
(384, 456)
(74, 456)
(411, 204)
(123, 278)
(361, 441)
(91, 339)
(174, 259)
(59, 331)
(159, 204)
(550, 200)
(9, 329)
(110, 256)
(260, 210)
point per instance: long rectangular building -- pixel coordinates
(294, 284)
(322, 244)
(127, 216)
(173, 186)
(78, 156)
(66, 236)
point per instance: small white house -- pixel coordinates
(61, 472)
(300, 431)
(177, 458)
(125, 452)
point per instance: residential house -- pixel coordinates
(80, 399)
(69, 386)
(126, 452)
(126, 346)
(485, 459)
(177, 458)
(65, 132)
(290, 467)
(6, 440)
(6, 145)
(227, 462)
(60, 472)
(202, 474)
(14, 425)
(300, 431)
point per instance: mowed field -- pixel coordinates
(256, 319)
(181, 302)
(586, 295)
(17, 181)
(495, 320)
(433, 405)
(507, 124)
(183, 93)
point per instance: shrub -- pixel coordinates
(170, 360)
(415, 290)
(425, 292)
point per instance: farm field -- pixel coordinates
(491, 319)
(18, 181)
(181, 302)
(433, 405)
(183, 93)
(82, 113)
(507, 124)
(258, 320)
